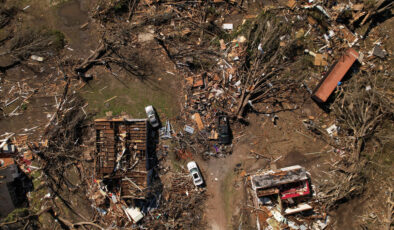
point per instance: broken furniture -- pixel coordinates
(134, 213)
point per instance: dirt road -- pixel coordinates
(281, 146)
(219, 178)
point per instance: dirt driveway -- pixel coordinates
(282, 145)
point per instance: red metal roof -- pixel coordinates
(330, 82)
(302, 190)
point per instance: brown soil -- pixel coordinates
(287, 143)
(281, 143)
(71, 16)
(43, 77)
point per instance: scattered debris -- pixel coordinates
(280, 193)
(378, 52)
(228, 71)
(228, 26)
(198, 120)
(36, 58)
(189, 129)
(332, 130)
(15, 165)
(134, 213)
(166, 131)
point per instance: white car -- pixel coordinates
(151, 113)
(195, 173)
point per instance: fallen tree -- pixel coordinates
(262, 72)
(361, 106)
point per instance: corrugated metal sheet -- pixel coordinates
(336, 73)
(282, 176)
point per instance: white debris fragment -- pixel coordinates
(36, 58)
(228, 26)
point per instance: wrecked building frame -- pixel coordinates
(125, 156)
(288, 187)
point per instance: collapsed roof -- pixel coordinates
(122, 154)
(278, 177)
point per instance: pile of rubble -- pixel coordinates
(15, 169)
(177, 204)
(18, 94)
(180, 206)
(210, 95)
(15, 149)
(127, 191)
(285, 198)
(244, 73)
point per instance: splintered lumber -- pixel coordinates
(84, 66)
(110, 99)
(197, 119)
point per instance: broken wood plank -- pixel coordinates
(197, 119)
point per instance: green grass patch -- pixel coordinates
(176, 164)
(17, 3)
(59, 40)
(369, 4)
(24, 106)
(129, 95)
(19, 212)
(307, 61)
(35, 199)
(38, 193)
(58, 2)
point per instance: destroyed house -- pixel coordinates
(123, 155)
(330, 81)
(14, 184)
(286, 187)
(8, 173)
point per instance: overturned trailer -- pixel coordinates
(285, 189)
(125, 155)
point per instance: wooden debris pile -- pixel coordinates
(284, 198)
(181, 205)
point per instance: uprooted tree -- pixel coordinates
(262, 73)
(361, 107)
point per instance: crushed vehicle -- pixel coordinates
(224, 130)
(195, 173)
(152, 116)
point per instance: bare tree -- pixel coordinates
(361, 107)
